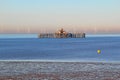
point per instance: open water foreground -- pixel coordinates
(26, 57)
(29, 47)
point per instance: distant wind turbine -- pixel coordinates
(28, 30)
(95, 29)
(18, 29)
(1, 28)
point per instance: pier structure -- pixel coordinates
(61, 34)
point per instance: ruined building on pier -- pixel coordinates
(61, 34)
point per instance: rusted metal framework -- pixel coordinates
(62, 34)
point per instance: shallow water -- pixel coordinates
(76, 49)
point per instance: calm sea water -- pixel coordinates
(29, 47)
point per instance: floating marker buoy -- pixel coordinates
(98, 51)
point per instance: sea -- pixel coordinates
(30, 47)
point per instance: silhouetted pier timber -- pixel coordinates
(62, 34)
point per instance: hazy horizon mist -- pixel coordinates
(43, 16)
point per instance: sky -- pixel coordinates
(36, 16)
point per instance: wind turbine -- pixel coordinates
(28, 29)
(18, 29)
(95, 29)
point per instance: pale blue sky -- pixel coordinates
(34, 16)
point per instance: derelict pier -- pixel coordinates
(62, 34)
